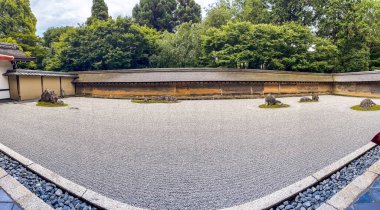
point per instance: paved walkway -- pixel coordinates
(370, 200)
(6, 202)
(190, 155)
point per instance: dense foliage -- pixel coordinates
(99, 11)
(18, 26)
(314, 36)
(111, 44)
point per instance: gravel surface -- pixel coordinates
(190, 155)
(315, 196)
(47, 191)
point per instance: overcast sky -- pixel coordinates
(55, 13)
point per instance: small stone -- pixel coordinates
(307, 204)
(58, 192)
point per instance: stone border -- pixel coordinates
(293, 190)
(81, 192)
(344, 198)
(20, 194)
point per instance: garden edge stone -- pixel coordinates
(292, 190)
(20, 194)
(344, 198)
(95, 198)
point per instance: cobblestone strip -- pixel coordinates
(351, 192)
(20, 194)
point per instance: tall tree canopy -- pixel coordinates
(185, 45)
(99, 11)
(219, 14)
(158, 14)
(111, 44)
(18, 23)
(187, 11)
(263, 46)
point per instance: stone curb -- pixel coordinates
(293, 190)
(85, 194)
(20, 194)
(344, 198)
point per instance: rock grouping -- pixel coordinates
(161, 98)
(367, 103)
(50, 96)
(46, 191)
(270, 100)
(315, 196)
(306, 99)
(314, 98)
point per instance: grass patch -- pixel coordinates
(373, 108)
(277, 106)
(308, 101)
(47, 104)
(153, 102)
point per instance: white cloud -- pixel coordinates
(53, 13)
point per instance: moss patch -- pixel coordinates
(373, 108)
(153, 102)
(46, 104)
(277, 106)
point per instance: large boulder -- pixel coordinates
(315, 97)
(270, 100)
(367, 103)
(305, 99)
(49, 96)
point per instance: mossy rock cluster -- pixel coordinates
(272, 103)
(367, 105)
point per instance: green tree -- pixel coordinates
(185, 45)
(347, 24)
(219, 14)
(187, 11)
(18, 22)
(302, 12)
(254, 11)
(158, 14)
(99, 11)
(103, 45)
(264, 46)
(52, 35)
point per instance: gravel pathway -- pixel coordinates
(190, 155)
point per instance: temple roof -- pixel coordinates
(23, 72)
(13, 50)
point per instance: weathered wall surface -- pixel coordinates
(371, 90)
(223, 83)
(30, 87)
(192, 83)
(13, 87)
(194, 89)
(68, 86)
(52, 83)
